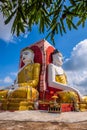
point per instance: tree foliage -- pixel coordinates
(52, 15)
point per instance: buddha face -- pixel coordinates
(58, 59)
(27, 56)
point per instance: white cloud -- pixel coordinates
(78, 59)
(7, 79)
(76, 67)
(5, 30)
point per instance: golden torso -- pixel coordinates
(28, 78)
(61, 78)
(29, 75)
(26, 74)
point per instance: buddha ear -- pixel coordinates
(32, 57)
(54, 56)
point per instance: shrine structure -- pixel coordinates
(41, 83)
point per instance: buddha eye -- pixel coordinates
(26, 53)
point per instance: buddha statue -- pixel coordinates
(24, 92)
(58, 79)
(55, 70)
(28, 75)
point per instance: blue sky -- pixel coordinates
(73, 46)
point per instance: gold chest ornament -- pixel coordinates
(28, 72)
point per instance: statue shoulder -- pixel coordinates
(51, 65)
(34, 65)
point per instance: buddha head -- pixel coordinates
(27, 56)
(57, 58)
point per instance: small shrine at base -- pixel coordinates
(41, 83)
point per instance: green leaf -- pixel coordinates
(50, 14)
(9, 18)
(13, 29)
(62, 25)
(79, 22)
(68, 23)
(73, 25)
(22, 27)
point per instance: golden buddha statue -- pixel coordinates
(28, 75)
(25, 86)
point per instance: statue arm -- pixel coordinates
(54, 84)
(51, 79)
(51, 74)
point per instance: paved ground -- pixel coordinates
(26, 125)
(43, 116)
(42, 120)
